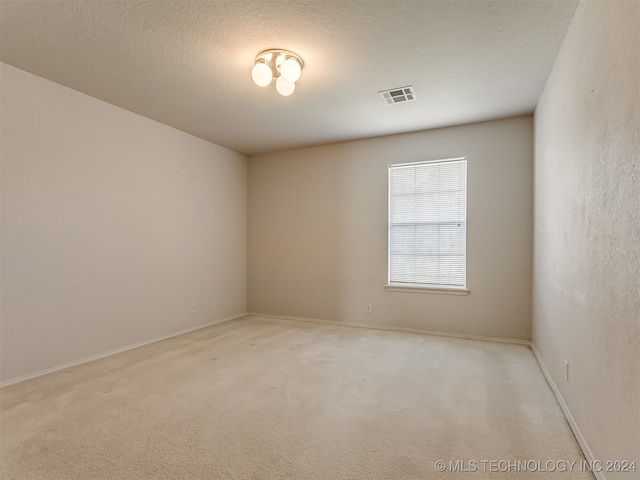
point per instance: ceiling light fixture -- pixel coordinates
(283, 65)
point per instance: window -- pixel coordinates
(427, 225)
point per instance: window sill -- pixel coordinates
(408, 288)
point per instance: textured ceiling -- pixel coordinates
(187, 63)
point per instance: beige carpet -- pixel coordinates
(260, 398)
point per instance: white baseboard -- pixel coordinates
(397, 329)
(93, 358)
(565, 409)
(567, 413)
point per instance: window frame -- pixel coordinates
(426, 288)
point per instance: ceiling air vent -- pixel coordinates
(398, 95)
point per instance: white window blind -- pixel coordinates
(427, 223)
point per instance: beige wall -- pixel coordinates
(587, 227)
(318, 231)
(112, 224)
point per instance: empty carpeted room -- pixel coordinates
(305, 239)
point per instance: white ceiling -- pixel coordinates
(187, 63)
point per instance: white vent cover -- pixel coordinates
(398, 95)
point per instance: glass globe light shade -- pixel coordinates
(285, 87)
(261, 74)
(291, 70)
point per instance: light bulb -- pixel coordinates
(261, 74)
(285, 87)
(291, 70)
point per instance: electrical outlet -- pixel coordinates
(566, 370)
(367, 307)
(193, 308)
(216, 303)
